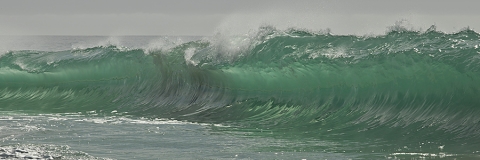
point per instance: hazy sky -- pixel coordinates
(206, 17)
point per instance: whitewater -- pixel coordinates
(272, 94)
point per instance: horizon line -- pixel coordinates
(109, 35)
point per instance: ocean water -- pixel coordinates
(272, 94)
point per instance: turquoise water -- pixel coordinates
(278, 94)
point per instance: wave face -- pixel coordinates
(403, 86)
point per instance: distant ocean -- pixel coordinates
(273, 94)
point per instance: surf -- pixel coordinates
(292, 81)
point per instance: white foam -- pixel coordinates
(439, 155)
(228, 47)
(163, 44)
(188, 56)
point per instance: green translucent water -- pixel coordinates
(278, 95)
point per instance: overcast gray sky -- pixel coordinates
(205, 17)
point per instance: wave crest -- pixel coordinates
(315, 82)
